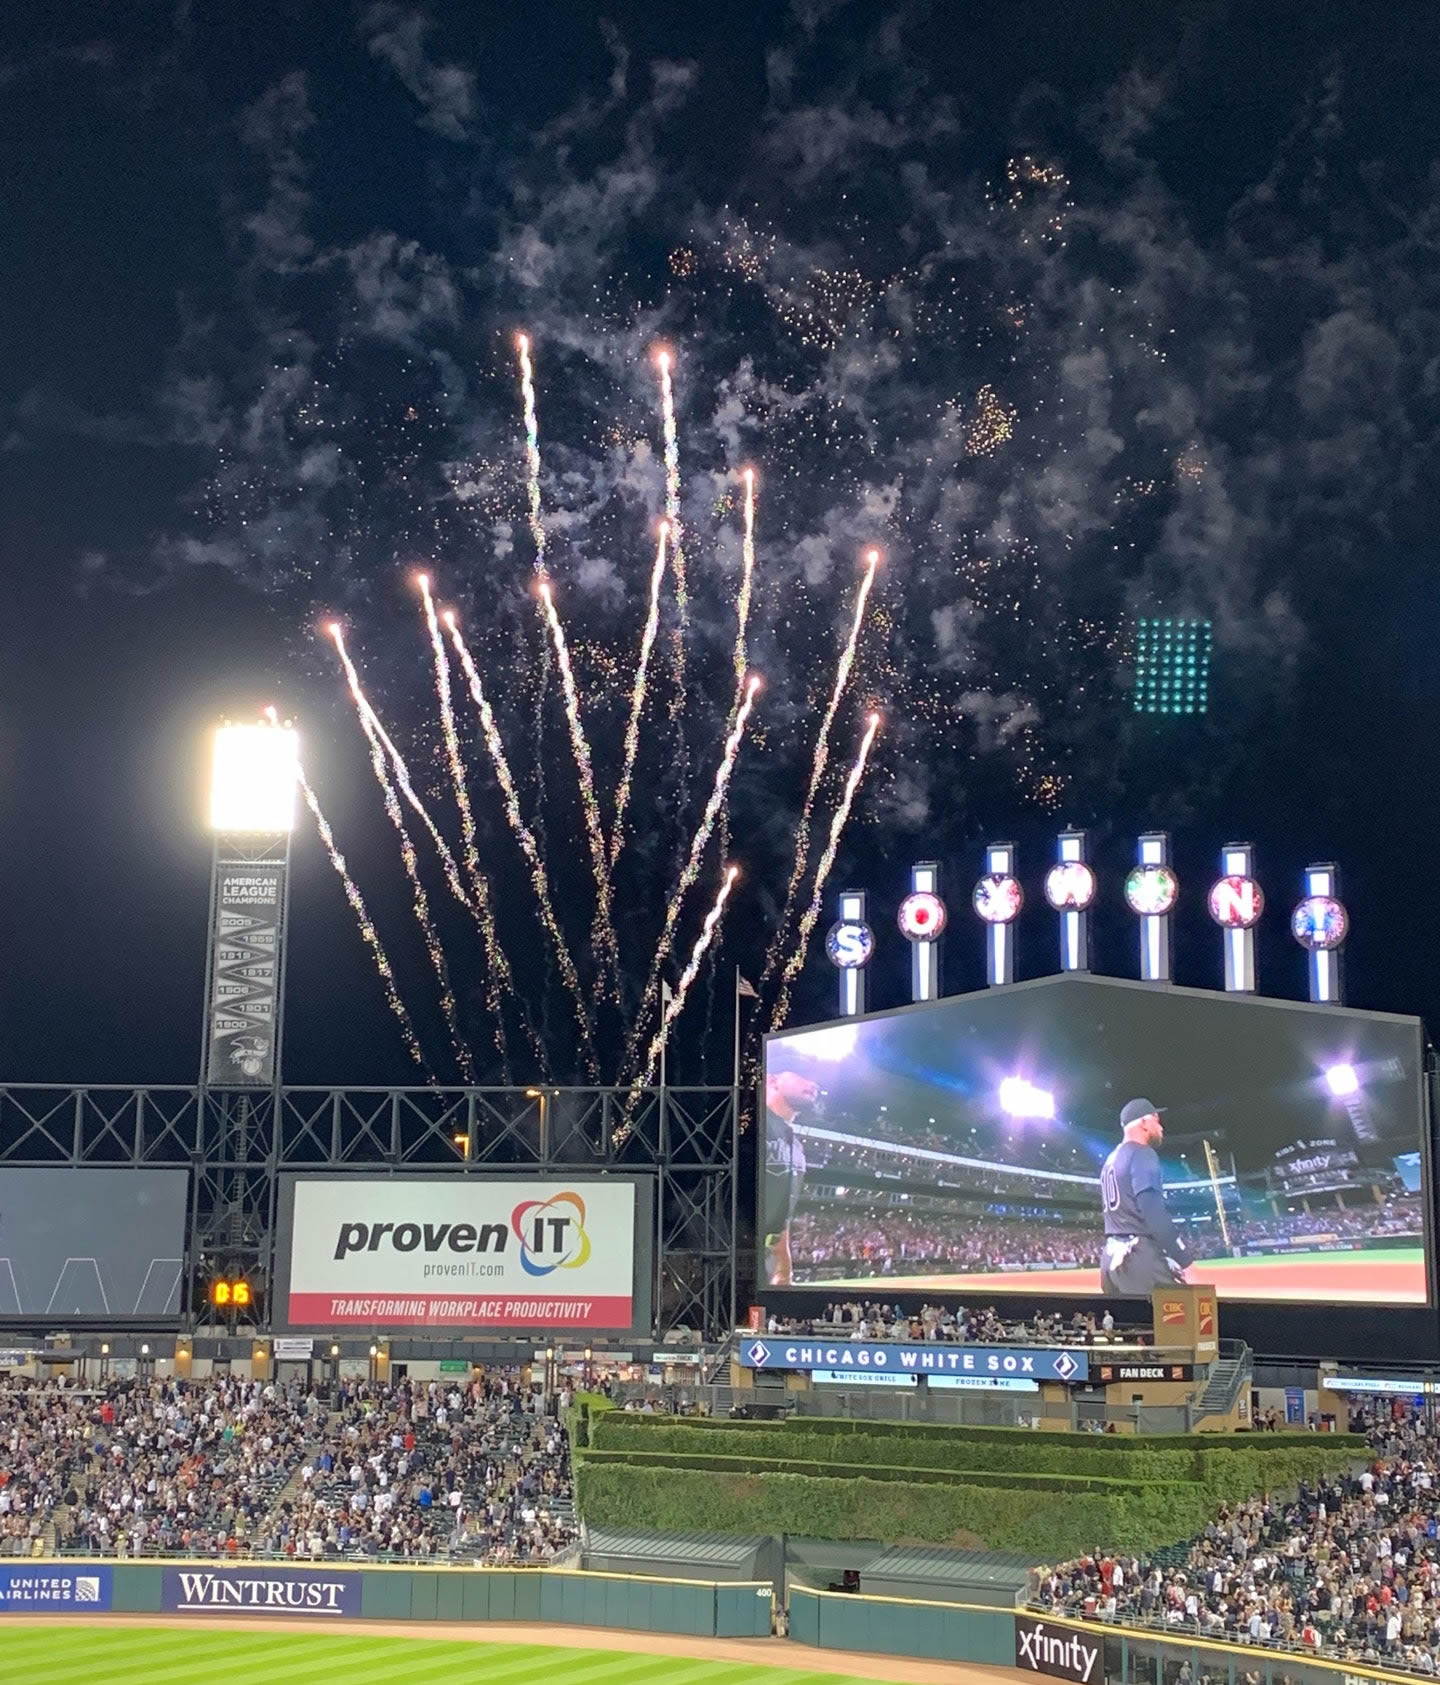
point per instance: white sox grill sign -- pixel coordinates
(1061, 1652)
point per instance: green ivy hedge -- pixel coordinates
(1265, 1444)
(1053, 1523)
(719, 1463)
(1229, 1469)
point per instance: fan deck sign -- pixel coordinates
(463, 1253)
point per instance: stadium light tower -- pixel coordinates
(254, 777)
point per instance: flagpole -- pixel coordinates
(735, 1165)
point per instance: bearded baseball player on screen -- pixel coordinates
(1143, 1249)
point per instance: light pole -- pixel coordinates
(255, 773)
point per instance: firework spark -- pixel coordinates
(637, 694)
(811, 916)
(368, 932)
(374, 735)
(539, 878)
(687, 977)
(480, 909)
(606, 948)
(470, 848)
(672, 499)
(818, 765)
(691, 870)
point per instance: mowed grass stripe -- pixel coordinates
(173, 1656)
(123, 1653)
(176, 1658)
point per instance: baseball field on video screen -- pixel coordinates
(956, 1147)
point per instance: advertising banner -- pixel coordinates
(1105, 1373)
(93, 1243)
(32, 1590)
(1389, 1386)
(261, 1590)
(1059, 1651)
(245, 974)
(1091, 1136)
(1034, 1363)
(462, 1252)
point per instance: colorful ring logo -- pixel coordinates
(546, 1231)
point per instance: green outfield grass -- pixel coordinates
(164, 1656)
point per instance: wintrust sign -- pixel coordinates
(1061, 1652)
(467, 1252)
(260, 1591)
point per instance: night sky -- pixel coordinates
(1080, 312)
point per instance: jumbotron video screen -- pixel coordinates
(1090, 1136)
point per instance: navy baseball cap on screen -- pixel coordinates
(1134, 1110)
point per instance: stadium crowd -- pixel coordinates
(830, 1239)
(477, 1471)
(1348, 1568)
(911, 1243)
(225, 1466)
(854, 1320)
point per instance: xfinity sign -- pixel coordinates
(1061, 1652)
(1030, 1363)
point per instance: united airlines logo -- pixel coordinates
(551, 1233)
(758, 1354)
(87, 1588)
(1065, 1366)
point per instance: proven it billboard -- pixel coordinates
(1084, 1135)
(92, 1243)
(465, 1252)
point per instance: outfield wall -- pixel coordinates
(1054, 1646)
(72, 1586)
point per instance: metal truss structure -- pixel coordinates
(237, 1144)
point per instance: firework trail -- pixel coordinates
(539, 878)
(817, 770)
(537, 535)
(687, 977)
(480, 909)
(811, 916)
(496, 968)
(532, 451)
(367, 927)
(374, 734)
(691, 869)
(747, 577)
(637, 694)
(677, 562)
(742, 621)
(606, 950)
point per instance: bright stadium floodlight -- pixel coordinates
(1342, 1081)
(254, 775)
(1021, 1098)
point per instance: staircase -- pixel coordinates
(1227, 1377)
(717, 1369)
